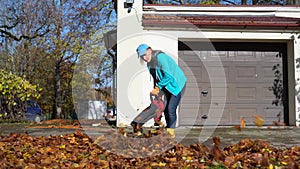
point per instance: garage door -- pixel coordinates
(248, 78)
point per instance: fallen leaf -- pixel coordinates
(242, 122)
(258, 120)
(78, 150)
(216, 152)
(238, 127)
(276, 123)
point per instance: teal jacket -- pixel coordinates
(167, 72)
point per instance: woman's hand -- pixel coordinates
(155, 91)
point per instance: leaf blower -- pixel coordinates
(155, 110)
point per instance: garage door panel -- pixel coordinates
(271, 114)
(246, 111)
(204, 115)
(215, 73)
(191, 58)
(246, 93)
(207, 116)
(246, 72)
(213, 94)
(189, 63)
(214, 56)
(267, 94)
(190, 100)
(237, 93)
(246, 56)
(192, 84)
(249, 93)
(268, 73)
(234, 92)
(189, 114)
(270, 56)
(216, 116)
(189, 52)
(191, 93)
(193, 70)
(248, 76)
(231, 115)
(195, 75)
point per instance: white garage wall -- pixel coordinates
(297, 79)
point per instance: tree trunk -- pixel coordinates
(24, 111)
(57, 92)
(11, 113)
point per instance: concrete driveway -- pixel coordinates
(277, 136)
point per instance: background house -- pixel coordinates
(235, 57)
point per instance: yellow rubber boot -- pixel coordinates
(139, 133)
(171, 131)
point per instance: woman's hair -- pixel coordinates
(142, 62)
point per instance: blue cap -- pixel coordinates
(141, 50)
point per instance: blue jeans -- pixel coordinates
(170, 110)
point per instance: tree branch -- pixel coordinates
(14, 37)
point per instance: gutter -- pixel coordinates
(242, 10)
(219, 24)
(220, 8)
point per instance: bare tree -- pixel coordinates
(43, 40)
(18, 14)
(20, 22)
(73, 28)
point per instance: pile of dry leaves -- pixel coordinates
(122, 150)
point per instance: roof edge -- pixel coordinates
(220, 8)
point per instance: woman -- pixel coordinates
(168, 77)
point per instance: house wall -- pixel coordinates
(134, 82)
(296, 52)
